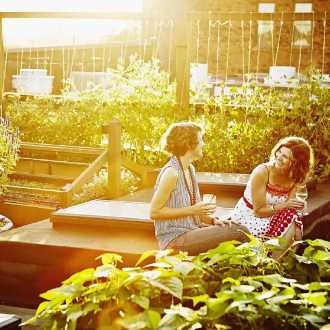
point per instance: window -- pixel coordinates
(302, 29)
(303, 7)
(266, 7)
(265, 28)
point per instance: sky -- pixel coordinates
(25, 33)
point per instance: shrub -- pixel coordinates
(240, 129)
(9, 145)
(97, 187)
(230, 287)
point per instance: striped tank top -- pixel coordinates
(167, 230)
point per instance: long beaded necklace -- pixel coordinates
(192, 194)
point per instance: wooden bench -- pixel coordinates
(112, 214)
(9, 322)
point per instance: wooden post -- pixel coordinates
(114, 158)
(182, 62)
(2, 66)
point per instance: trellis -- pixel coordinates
(181, 34)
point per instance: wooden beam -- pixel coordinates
(85, 176)
(47, 148)
(255, 16)
(114, 158)
(31, 190)
(2, 65)
(45, 178)
(50, 167)
(78, 15)
(182, 62)
(146, 173)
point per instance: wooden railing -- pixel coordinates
(35, 164)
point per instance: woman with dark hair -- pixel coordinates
(268, 207)
(182, 221)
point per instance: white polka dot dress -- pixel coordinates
(243, 212)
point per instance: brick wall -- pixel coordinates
(244, 52)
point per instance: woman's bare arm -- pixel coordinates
(259, 179)
(167, 184)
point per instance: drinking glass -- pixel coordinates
(210, 198)
(301, 196)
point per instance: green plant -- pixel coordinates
(230, 287)
(241, 128)
(97, 187)
(9, 145)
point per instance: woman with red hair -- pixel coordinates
(268, 207)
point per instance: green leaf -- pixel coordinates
(153, 318)
(274, 279)
(202, 298)
(141, 301)
(171, 322)
(81, 277)
(314, 286)
(282, 297)
(216, 308)
(104, 271)
(62, 292)
(43, 306)
(322, 256)
(314, 319)
(231, 281)
(184, 267)
(315, 298)
(326, 327)
(319, 243)
(267, 294)
(74, 312)
(135, 322)
(243, 288)
(172, 285)
(146, 255)
(110, 258)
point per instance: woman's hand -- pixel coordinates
(293, 203)
(203, 208)
(225, 222)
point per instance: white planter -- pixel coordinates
(198, 75)
(86, 80)
(33, 84)
(281, 73)
(33, 72)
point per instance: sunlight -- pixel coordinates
(72, 5)
(27, 33)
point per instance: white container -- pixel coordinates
(33, 85)
(33, 72)
(282, 73)
(85, 80)
(198, 75)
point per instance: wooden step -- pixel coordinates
(50, 167)
(46, 178)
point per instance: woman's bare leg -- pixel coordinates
(205, 238)
(287, 239)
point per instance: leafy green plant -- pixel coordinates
(98, 186)
(241, 128)
(230, 287)
(9, 145)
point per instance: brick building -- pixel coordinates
(252, 45)
(230, 44)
